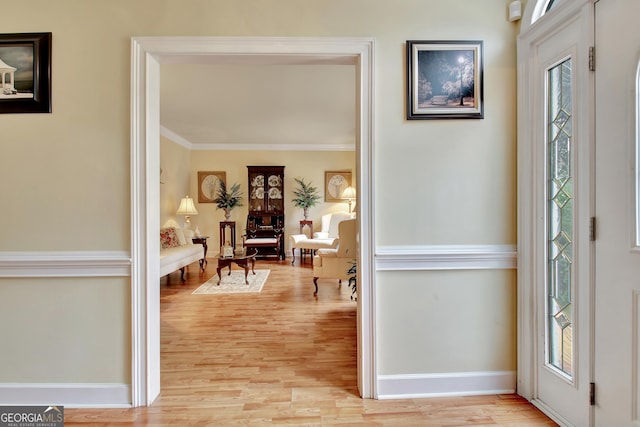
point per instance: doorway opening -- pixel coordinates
(147, 55)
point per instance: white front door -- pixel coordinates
(555, 251)
(617, 268)
(564, 354)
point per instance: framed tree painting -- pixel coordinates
(444, 80)
(25, 73)
(335, 182)
(208, 185)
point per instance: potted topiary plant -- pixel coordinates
(228, 200)
(306, 196)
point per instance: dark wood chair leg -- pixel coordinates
(293, 252)
(182, 274)
(315, 282)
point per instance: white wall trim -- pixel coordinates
(388, 258)
(236, 146)
(446, 257)
(65, 264)
(275, 147)
(446, 384)
(178, 139)
(83, 395)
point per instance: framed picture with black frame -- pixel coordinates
(444, 79)
(25, 73)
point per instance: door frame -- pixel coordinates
(530, 210)
(147, 53)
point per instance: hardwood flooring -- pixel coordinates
(279, 357)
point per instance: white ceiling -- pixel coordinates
(235, 102)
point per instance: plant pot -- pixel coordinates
(227, 214)
(305, 212)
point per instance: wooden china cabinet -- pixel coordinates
(266, 207)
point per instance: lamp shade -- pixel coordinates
(349, 193)
(187, 207)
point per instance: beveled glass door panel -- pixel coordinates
(560, 222)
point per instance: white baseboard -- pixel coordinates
(67, 395)
(446, 384)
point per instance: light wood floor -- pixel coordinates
(280, 357)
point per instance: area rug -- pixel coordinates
(234, 284)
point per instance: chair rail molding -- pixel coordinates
(65, 264)
(446, 257)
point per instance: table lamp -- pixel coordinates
(349, 193)
(187, 208)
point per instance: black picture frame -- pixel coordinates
(25, 57)
(445, 79)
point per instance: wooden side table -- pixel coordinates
(306, 223)
(203, 241)
(223, 233)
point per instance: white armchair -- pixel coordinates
(327, 238)
(334, 263)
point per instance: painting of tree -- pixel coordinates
(445, 79)
(445, 73)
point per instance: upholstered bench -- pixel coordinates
(264, 242)
(302, 242)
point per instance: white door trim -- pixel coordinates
(146, 55)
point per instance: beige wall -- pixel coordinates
(65, 330)
(66, 180)
(465, 320)
(175, 162)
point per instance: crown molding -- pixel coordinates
(180, 140)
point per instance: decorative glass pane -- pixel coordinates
(559, 220)
(550, 5)
(542, 7)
